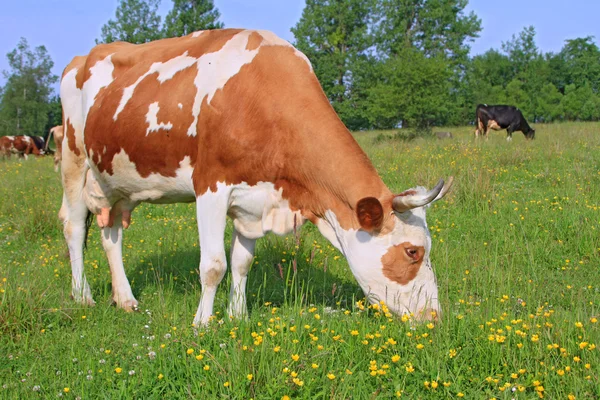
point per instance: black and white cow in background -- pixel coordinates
(501, 117)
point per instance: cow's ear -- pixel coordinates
(370, 214)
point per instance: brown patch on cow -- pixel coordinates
(213, 275)
(158, 151)
(71, 140)
(407, 193)
(79, 61)
(254, 41)
(402, 262)
(370, 214)
(6, 145)
(493, 125)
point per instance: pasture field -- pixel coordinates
(516, 250)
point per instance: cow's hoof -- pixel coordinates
(130, 305)
(83, 300)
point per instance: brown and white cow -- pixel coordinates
(236, 121)
(21, 145)
(57, 132)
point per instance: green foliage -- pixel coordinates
(334, 35)
(412, 91)
(24, 102)
(437, 27)
(360, 49)
(549, 103)
(54, 113)
(581, 58)
(188, 16)
(580, 103)
(136, 21)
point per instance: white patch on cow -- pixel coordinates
(166, 70)
(152, 119)
(71, 98)
(27, 139)
(215, 70)
(11, 138)
(180, 106)
(274, 40)
(156, 188)
(255, 210)
(198, 33)
(364, 252)
(259, 209)
(101, 75)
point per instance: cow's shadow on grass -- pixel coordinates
(301, 279)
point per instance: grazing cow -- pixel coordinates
(6, 146)
(40, 143)
(501, 117)
(236, 121)
(22, 146)
(57, 132)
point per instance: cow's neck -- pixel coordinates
(334, 174)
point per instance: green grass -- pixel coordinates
(515, 247)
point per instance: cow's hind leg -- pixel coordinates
(211, 209)
(75, 231)
(242, 253)
(478, 129)
(112, 241)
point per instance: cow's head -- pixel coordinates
(530, 135)
(389, 255)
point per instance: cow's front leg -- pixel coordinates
(112, 241)
(211, 213)
(242, 253)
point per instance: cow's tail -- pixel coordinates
(47, 139)
(89, 219)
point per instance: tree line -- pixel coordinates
(382, 63)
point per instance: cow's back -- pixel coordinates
(152, 106)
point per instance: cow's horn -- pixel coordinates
(405, 202)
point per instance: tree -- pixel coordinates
(435, 27)
(137, 21)
(54, 113)
(521, 50)
(441, 30)
(412, 91)
(188, 16)
(549, 103)
(24, 99)
(334, 36)
(581, 58)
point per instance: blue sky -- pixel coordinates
(69, 27)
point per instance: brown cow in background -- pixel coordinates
(20, 145)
